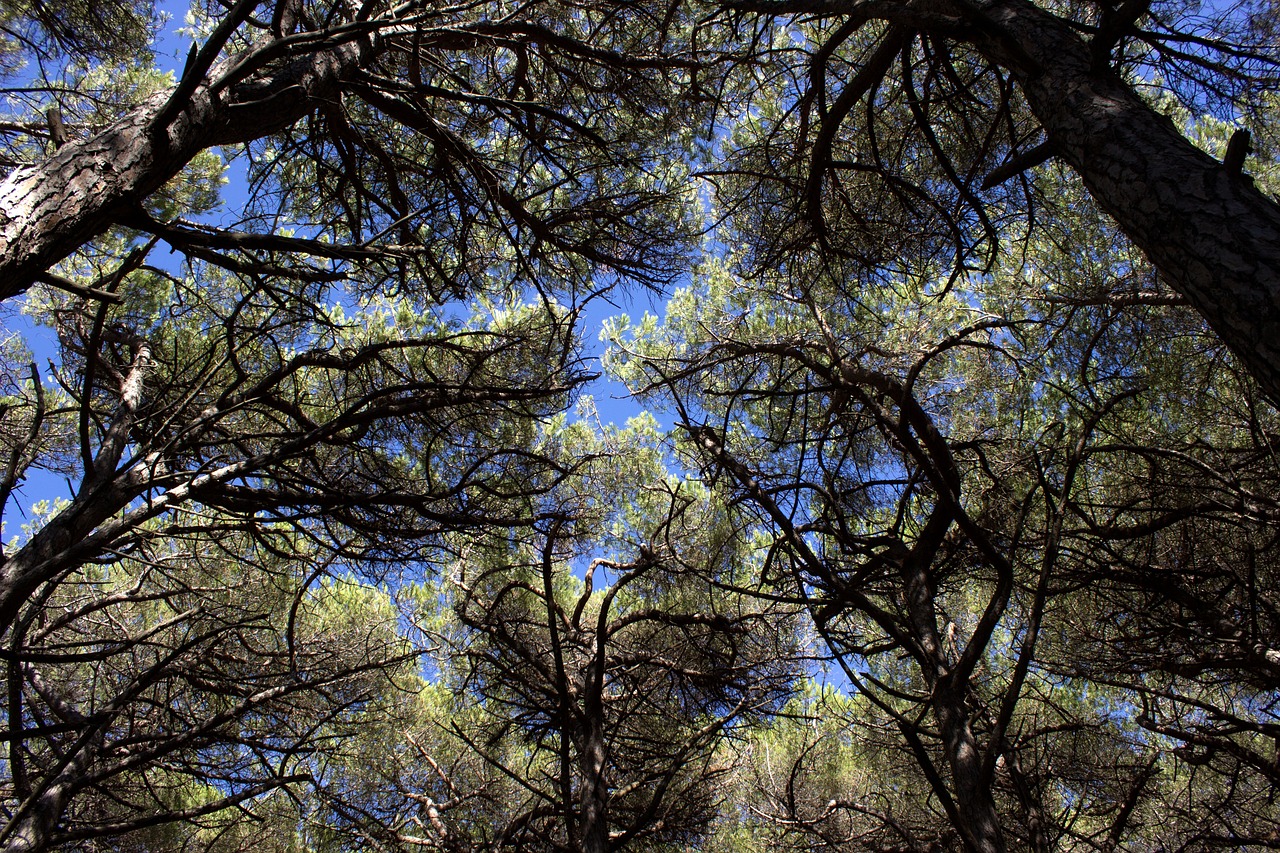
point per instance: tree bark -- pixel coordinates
(595, 791)
(50, 209)
(979, 821)
(1212, 235)
(31, 831)
(593, 758)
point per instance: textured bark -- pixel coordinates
(979, 822)
(593, 758)
(977, 809)
(1211, 233)
(49, 209)
(595, 790)
(30, 831)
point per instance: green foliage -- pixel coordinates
(1082, 421)
(347, 560)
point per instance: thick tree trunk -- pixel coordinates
(50, 209)
(974, 802)
(1212, 235)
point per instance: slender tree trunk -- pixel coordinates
(595, 790)
(52, 547)
(980, 823)
(1212, 235)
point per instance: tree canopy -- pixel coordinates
(946, 514)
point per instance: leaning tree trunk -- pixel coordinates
(30, 829)
(49, 209)
(1212, 235)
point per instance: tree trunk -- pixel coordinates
(1212, 235)
(979, 822)
(29, 831)
(54, 546)
(595, 789)
(977, 808)
(50, 209)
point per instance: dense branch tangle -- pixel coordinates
(986, 523)
(243, 456)
(616, 698)
(872, 133)
(246, 459)
(985, 482)
(429, 145)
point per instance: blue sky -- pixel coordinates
(612, 401)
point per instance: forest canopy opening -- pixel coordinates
(961, 532)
